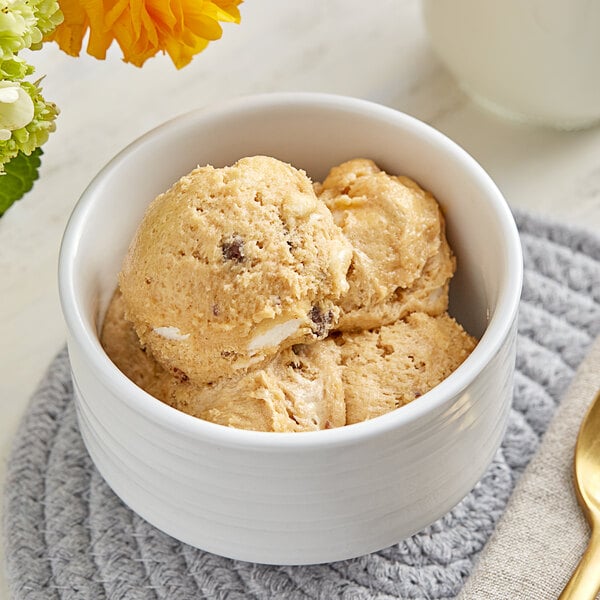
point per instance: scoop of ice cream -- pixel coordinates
(427, 294)
(231, 265)
(399, 245)
(121, 344)
(386, 368)
(300, 389)
(237, 276)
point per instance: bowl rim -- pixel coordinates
(498, 329)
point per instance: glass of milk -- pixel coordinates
(534, 60)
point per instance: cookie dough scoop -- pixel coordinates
(231, 265)
(401, 260)
(300, 389)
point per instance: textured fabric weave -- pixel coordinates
(543, 533)
(67, 536)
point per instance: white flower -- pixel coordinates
(16, 108)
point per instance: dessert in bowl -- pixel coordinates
(298, 497)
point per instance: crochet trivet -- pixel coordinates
(67, 536)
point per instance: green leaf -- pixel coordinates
(18, 177)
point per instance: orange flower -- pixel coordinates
(181, 28)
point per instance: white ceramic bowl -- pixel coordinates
(295, 498)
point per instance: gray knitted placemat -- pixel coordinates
(67, 536)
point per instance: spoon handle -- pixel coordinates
(585, 581)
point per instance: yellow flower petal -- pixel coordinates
(142, 28)
(69, 35)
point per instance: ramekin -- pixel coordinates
(295, 498)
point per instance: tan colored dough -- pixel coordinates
(401, 260)
(389, 367)
(428, 294)
(120, 342)
(231, 265)
(237, 276)
(300, 389)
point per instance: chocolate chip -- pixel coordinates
(322, 321)
(292, 416)
(179, 374)
(215, 310)
(233, 249)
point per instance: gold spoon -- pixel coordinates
(585, 581)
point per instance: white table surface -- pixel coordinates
(378, 51)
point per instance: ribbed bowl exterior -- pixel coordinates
(297, 505)
(303, 497)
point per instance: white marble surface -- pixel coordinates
(377, 51)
